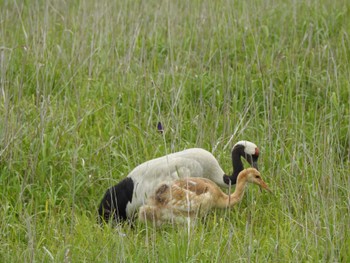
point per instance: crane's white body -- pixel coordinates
(194, 162)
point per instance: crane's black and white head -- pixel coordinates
(248, 151)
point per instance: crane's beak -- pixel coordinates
(255, 165)
(263, 185)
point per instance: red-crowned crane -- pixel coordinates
(123, 200)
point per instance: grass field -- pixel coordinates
(83, 85)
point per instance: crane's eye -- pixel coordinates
(257, 177)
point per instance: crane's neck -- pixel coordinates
(237, 165)
(231, 200)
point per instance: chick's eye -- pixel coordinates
(257, 177)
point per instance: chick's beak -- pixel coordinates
(263, 185)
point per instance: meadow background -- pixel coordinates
(83, 85)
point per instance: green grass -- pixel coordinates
(84, 83)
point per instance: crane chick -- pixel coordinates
(192, 197)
